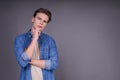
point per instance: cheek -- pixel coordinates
(45, 25)
(36, 21)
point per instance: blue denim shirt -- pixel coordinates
(48, 52)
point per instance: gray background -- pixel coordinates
(86, 33)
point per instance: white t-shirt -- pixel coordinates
(36, 72)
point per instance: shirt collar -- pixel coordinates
(29, 33)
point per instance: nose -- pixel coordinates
(41, 22)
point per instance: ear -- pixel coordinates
(33, 19)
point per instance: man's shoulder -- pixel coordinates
(49, 39)
(47, 36)
(21, 36)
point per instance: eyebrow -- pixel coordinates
(41, 18)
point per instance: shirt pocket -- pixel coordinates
(44, 52)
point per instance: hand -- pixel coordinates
(38, 63)
(35, 33)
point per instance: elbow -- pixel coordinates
(54, 65)
(23, 63)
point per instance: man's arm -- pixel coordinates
(38, 63)
(30, 49)
(21, 56)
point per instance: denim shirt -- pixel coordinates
(48, 52)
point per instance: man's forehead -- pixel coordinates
(42, 15)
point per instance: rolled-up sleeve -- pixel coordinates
(47, 64)
(24, 56)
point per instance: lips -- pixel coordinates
(40, 26)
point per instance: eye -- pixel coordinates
(38, 18)
(45, 21)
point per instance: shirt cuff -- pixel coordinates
(24, 56)
(47, 64)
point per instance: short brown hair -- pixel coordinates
(45, 11)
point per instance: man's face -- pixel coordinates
(40, 21)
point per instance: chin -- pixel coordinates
(40, 29)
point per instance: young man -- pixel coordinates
(35, 51)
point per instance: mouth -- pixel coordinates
(40, 26)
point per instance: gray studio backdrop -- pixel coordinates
(86, 33)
